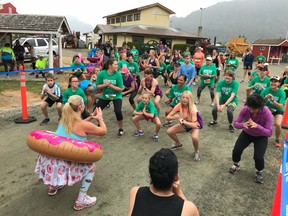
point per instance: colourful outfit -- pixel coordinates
(259, 135)
(56, 172)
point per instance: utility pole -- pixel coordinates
(200, 26)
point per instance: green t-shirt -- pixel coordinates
(135, 54)
(116, 56)
(162, 68)
(68, 93)
(82, 69)
(254, 74)
(169, 68)
(279, 97)
(265, 83)
(261, 58)
(208, 70)
(181, 61)
(286, 82)
(133, 68)
(122, 63)
(175, 93)
(150, 108)
(115, 79)
(232, 61)
(226, 89)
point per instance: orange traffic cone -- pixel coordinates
(285, 117)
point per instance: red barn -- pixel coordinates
(272, 49)
(7, 8)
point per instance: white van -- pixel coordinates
(41, 46)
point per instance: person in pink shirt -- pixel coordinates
(198, 59)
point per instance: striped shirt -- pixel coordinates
(54, 90)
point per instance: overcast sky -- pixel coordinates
(92, 11)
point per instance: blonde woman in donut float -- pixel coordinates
(56, 172)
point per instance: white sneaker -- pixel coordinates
(197, 102)
(196, 156)
(212, 104)
(193, 83)
(87, 202)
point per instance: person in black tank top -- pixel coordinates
(164, 197)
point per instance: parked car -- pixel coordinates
(41, 46)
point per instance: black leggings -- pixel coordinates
(164, 76)
(211, 89)
(260, 145)
(132, 96)
(230, 110)
(117, 107)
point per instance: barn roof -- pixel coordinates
(273, 42)
(33, 24)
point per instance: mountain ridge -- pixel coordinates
(249, 18)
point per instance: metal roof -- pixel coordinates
(275, 42)
(37, 24)
(144, 30)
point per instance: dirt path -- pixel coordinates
(124, 164)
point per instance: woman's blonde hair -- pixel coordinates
(73, 105)
(191, 106)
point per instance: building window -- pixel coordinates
(136, 16)
(113, 21)
(129, 18)
(137, 39)
(190, 41)
(108, 21)
(262, 48)
(117, 19)
(123, 19)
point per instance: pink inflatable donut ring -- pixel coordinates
(50, 144)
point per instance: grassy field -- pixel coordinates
(13, 85)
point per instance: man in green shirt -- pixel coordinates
(207, 73)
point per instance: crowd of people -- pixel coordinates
(126, 73)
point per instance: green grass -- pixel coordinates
(14, 85)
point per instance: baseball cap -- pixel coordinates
(124, 70)
(209, 58)
(277, 78)
(266, 64)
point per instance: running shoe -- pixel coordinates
(277, 143)
(176, 146)
(138, 133)
(53, 190)
(231, 128)
(87, 202)
(196, 156)
(259, 177)
(120, 132)
(212, 104)
(197, 102)
(156, 137)
(234, 169)
(45, 121)
(212, 123)
(167, 124)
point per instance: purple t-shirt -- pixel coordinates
(128, 81)
(263, 119)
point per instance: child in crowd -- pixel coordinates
(52, 94)
(41, 64)
(146, 110)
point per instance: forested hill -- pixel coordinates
(253, 19)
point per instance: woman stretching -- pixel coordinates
(56, 172)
